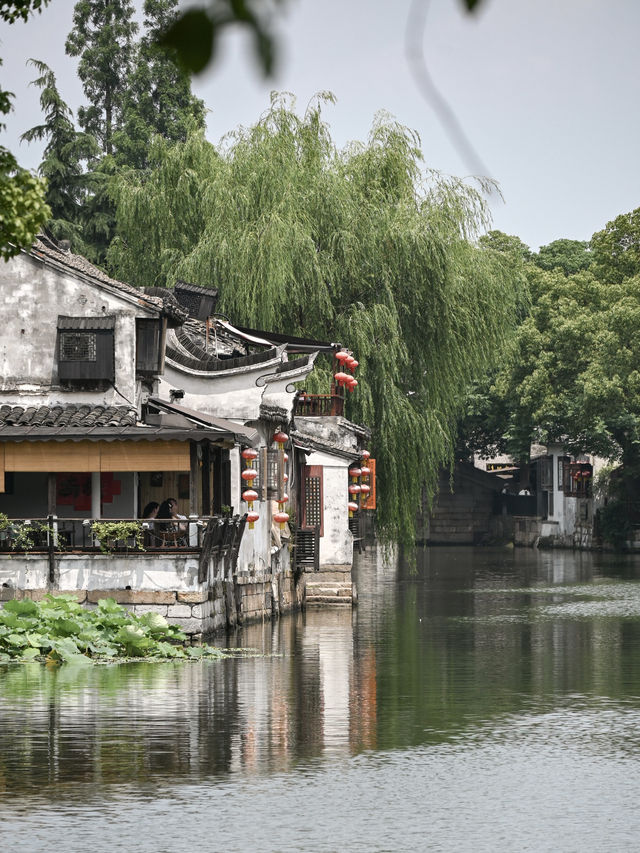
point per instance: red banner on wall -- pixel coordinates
(370, 502)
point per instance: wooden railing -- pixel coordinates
(78, 535)
(317, 405)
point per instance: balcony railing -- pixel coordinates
(318, 405)
(86, 535)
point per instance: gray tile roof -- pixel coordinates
(49, 251)
(70, 415)
(46, 249)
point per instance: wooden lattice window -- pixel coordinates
(78, 346)
(313, 498)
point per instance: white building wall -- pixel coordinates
(336, 545)
(33, 296)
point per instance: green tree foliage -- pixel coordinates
(158, 99)
(64, 159)
(13, 10)
(616, 249)
(571, 373)
(23, 209)
(505, 243)
(359, 245)
(571, 256)
(102, 36)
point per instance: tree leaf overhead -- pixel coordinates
(361, 245)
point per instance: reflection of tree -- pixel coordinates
(449, 648)
(464, 647)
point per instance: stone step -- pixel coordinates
(328, 599)
(328, 590)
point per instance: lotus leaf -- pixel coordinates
(156, 623)
(22, 608)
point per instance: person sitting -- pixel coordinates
(173, 528)
(148, 514)
(151, 510)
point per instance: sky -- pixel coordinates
(546, 92)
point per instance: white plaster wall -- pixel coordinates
(233, 393)
(24, 572)
(334, 430)
(108, 571)
(140, 572)
(559, 500)
(336, 545)
(235, 397)
(33, 296)
(255, 549)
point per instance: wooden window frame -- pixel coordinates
(315, 472)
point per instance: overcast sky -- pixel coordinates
(546, 91)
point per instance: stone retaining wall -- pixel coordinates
(168, 587)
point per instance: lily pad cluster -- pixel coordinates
(58, 629)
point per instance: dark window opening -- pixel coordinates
(85, 349)
(78, 346)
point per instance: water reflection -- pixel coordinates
(469, 649)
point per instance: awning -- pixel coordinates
(242, 434)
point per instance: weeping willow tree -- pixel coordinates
(362, 245)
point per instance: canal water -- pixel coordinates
(481, 700)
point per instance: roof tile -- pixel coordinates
(83, 416)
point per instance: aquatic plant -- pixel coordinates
(59, 629)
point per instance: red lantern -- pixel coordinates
(365, 489)
(354, 489)
(250, 496)
(249, 454)
(353, 507)
(353, 384)
(353, 365)
(286, 457)
(281, 437)
(249, 474)
(365, 454)
(354, 473)
(349, 362)
(342, 356)
(283, 499)
(281, 518)
(341, 378)
(252, 517)
(365, 471)
(285, 477)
